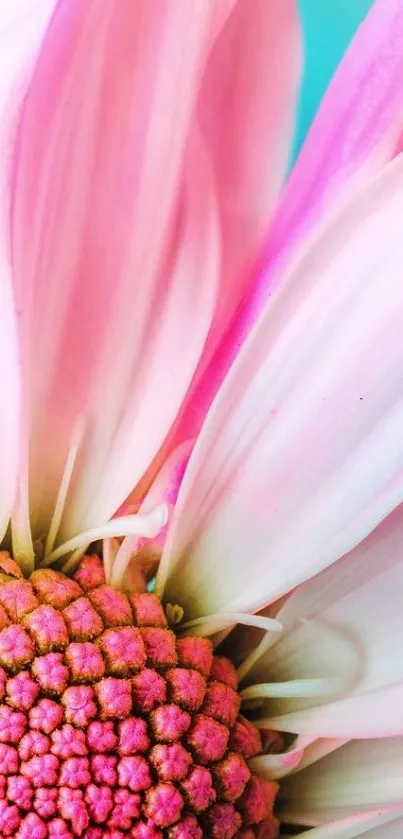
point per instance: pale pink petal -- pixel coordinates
(360, 598)
(356, 128)
(22, 25)
(249, 149)
(120, 223)
(361, 776)
(371, 824)
(113, 240)
(301, 454)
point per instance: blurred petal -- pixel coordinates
(249, 152)
(381, 824)
(359, 596)
(359, 776)
(301, 454)
(356, 129)
(113, 237)
(355, 132)
(22, 25)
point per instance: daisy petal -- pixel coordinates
(380, 825)
(360, 776)
(301, 454)
(360, 596)
(22, 27)
(113, 237)
(356, 129)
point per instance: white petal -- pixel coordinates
(302, 452)
(360, 597)
(366, 825)
(361, 775)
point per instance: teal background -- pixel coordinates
(328, 26)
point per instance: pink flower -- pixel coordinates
(156, 291)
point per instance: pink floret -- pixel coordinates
(22, 691)
(208, 739)
(171, 762)
(46, 802)
(20, 792)
(222, 703)
(147, 610)
(50, 672)
(133, 736)
(85, 661)
(160, 646)
(198, 789)
(32, 827)
(68, 741)
(3, 680)
(18, 599)
(164, 804)
(46, 716)
(58, 829)
(149, 690)
(41, 771)
(232, 775)
(146, 830)
(114, 697)
(125, 808)
(16, 647)
(79, 705)
(9, 818)
(134, 773)
(256, 803)
(8, 760)
(33, 743)
(13, 725)
(123, 649)
(188, 687)
(99, 801)
(90, 573)
(223, 821)
(169, 723)
(48, 629)
(196, 653)
(112, 605)
(54, 588)
(82, 621)
(101, 737)
(245, 738)
(223, 670)
(186, 828)
(103, 769)
(72, 808)
(75, 772)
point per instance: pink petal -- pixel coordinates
(22, 24)
(121, 224)
(301, 454)
(357, 129)
(249, 150)
(360, 596)
(113, 238)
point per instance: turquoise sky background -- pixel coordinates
(328, 28)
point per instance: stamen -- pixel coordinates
(213, 623)
(147, 525)
(64, 487)
(294, 688)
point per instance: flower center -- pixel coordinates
(111, 726)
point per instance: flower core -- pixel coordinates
(111, 726)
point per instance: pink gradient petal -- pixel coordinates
(301, 454)
(358, 127)
(359, 596)
(22, 24)
(124, 216)
(112, 239)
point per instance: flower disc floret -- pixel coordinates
(111, 726)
